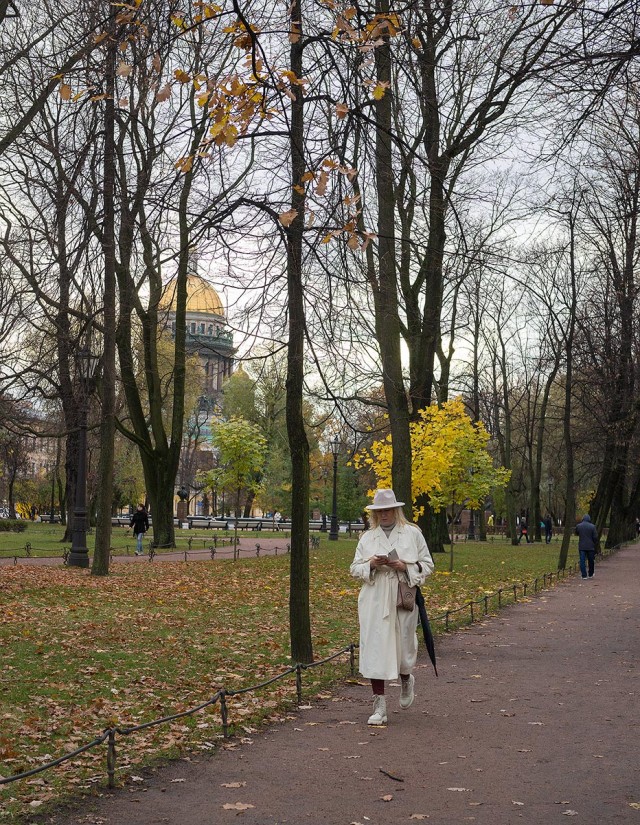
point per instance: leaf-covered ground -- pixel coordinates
(79, 653)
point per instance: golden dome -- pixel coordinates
(201, 297)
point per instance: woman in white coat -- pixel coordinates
(388, 641)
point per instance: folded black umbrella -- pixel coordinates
(426, 628)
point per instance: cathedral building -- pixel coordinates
(211, 341)
(208, 336)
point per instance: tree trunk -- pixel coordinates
(100, 566)
(159, 479)
(385, 291)
(299, 614)
(434, 526)
(570, 495)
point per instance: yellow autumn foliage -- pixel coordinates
(450, 460)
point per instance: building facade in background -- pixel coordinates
(208, 338)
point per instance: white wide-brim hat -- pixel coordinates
(384, 500)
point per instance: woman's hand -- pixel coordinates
(398, 565)
(378, 561)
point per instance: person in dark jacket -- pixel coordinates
(548, 528)
(140, 524)
(587, 545)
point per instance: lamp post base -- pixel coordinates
(78, 558)
(333, 532)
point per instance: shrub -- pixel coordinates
(12, 524)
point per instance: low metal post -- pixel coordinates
(111, 758)
(486, 605)
(515, 592)
(471, 608)
(499, 598)
(446, 620)
(224, 713)
(352, 659)
(299, 683)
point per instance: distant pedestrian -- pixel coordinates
(140, 524)
(548, 528)
(392, 549)
(587, 546)
(524, 532)
(277, 518)
(637, 526)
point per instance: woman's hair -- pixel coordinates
(375, 518)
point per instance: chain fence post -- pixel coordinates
(299, 683)
(224, 713)
(352, 659)
(111, 758)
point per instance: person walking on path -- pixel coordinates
(388, 641)
(548, 528)
(587, 545)
(140, 524)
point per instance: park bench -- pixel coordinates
(46, 518)
(208, 523)
(355, 527)
(245, 523)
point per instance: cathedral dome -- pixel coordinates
(201, 297)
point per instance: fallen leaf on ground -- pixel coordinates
(387, 797)
(570, 813)
(635, 805)
(233, 784)
(458, 789)
(178, 780)
(419, 816)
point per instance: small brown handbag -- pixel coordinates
(406, 595)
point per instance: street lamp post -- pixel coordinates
(79, 555)
(323, 528)
(333, 532)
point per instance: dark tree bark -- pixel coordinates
(100, 564)
(299, 616)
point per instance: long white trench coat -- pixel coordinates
(388, 641)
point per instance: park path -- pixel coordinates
(534, 719)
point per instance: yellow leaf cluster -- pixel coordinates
(242, 37)
(450, 460)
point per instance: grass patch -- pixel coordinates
(79, 653)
